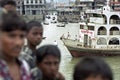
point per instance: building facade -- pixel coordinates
(34, 7)
(91, 4)
(31, 7)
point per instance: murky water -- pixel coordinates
(67, 64)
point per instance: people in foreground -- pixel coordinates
(48, 60)
(8, 5)
(92, 68)
(34, 37)
(12, 34)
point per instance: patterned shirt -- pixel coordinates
(30, 58)
(5, 75)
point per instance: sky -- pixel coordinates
(63, 1)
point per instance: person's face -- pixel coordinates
(35, 36)
(49, 66)
(98, 77)
(12, 42)
(9, 7)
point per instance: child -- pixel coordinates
(34, 38)
(8, 5)
(12, 35)
(92, 68)
(48, 60)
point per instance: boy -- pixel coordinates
(34, 38)
(92, 68)
(8, 5)
(12, 34)
(48, 60)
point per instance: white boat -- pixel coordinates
(99, 34)
(60, 25)
(46, 23)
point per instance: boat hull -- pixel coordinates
(79, 52)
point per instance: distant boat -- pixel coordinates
(46, 23)
(60, 25)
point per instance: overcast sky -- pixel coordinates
(65, 1)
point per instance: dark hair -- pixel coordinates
(92, 66)
(7, 2)
(46, 50)
(12, 21)
(32, 24)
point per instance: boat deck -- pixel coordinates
(77, 44)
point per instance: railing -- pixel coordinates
(114, 33)
(117, 47)
(94, 11)
(102, 32)
(114, 21)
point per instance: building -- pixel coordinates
(34, 7)
(31, 9)
(115, 5)
(68, 13)
(91, 4)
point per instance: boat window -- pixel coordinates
(101, 41)
(114, 41)
(114, 31)
(81, 26)
(114, 19)
(102, 31)
(90, 27)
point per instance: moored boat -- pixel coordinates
(77, 50)
(99, 34)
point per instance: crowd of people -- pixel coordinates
(26, 62)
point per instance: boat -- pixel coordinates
(46, 23)
(60, 25)
(99, 34)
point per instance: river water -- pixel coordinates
(52, 32)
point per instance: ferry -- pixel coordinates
(99, 34)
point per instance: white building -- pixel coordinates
(34, 7)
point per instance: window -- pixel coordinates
(102, 41)
(35, 1)
(31, 1)
(27, 1)
(27, 6)
(81, 26)
(90, 27)
(36, 6)
(32, 6)
(40, 1)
